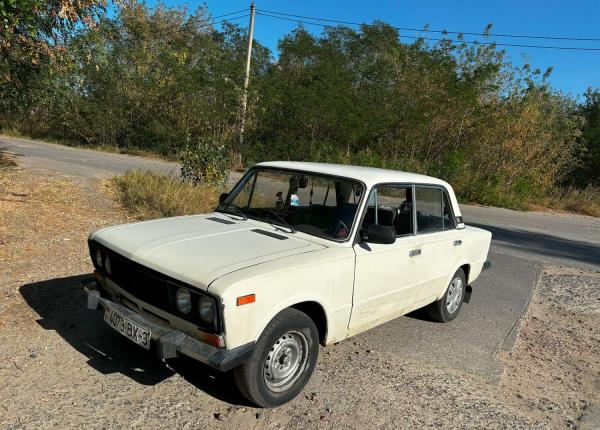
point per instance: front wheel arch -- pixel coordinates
(315, 312)
(310, 305)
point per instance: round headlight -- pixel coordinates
(98, 258)
(206, 310)
(107, 266)
(183, 301)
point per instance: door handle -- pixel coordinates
(457, 242)
(414, 253)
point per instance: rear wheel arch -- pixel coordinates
(448, 306)
(467, 269)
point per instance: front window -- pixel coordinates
(394, 208)
(315, 204)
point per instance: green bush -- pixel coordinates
(206, 162)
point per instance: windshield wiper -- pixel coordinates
(278, 216)
(237, 210)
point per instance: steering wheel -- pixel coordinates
(341, 230)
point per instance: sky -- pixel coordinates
(574, 71)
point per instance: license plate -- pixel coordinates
(127, 328)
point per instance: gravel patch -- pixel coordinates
(554, 367)
(571, 289)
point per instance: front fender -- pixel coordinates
(326, 278)
(262, 323)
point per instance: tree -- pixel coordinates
(159, 79)
(33, 33)
(590, 137)
(164, 79)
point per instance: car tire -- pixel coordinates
(282, 362)
(448, 307)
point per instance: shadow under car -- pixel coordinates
(61, 305)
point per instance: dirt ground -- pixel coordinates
(62, 367)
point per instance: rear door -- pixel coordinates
(439, 238)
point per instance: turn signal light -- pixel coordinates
(211, 339)
(100, 278)
(244, 300)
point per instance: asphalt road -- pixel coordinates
(522, 243)
(79, 162)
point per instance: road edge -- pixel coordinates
(512, 335)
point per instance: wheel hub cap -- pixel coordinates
(454, 296)
(286, 361)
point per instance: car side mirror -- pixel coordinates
(222, 197)
(376, 233)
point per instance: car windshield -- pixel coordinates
(315, 204)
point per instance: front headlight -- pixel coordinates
(107, 266)
(206, 310)
(183, 301)
(99, 258)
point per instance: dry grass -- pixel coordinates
(45, 219)
(585, 202)
(6, 161)
(150, 195)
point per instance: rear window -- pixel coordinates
(430, 209)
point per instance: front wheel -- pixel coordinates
(283, 361)
(447, 308)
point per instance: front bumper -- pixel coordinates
(171, 343)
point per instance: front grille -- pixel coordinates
(150, 286)
(139, 283)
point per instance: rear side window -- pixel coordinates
(430, 212)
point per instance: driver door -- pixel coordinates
(386, 275)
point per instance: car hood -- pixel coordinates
(201, 248)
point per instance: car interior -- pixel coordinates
(393, 212)
(326, 206)
(330, 212)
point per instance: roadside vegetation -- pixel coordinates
(5, 161)
(164, 81)
(150, 195)
(570, 199)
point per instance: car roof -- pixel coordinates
(369, 175)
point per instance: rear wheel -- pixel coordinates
(283, 361)
(447, 308)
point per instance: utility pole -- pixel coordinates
(247, 75)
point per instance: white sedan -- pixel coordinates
(296, 255)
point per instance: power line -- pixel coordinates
(223, 20)
(208, 20)
(473, 42)
(571, 38)
(230, 13)
(203, 23)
